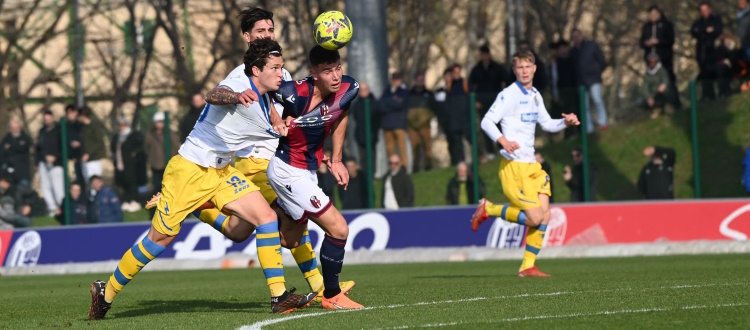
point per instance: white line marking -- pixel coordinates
(261, 324)
(544, 317)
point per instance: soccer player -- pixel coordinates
(518, 108)
(315, 108)
(201, 173)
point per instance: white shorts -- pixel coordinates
(298, 191)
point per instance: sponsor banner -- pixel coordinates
(582, 224)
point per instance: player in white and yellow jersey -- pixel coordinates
(518, 108)
(201, 173)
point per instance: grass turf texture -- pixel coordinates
(711, 291)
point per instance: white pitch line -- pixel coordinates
(544, 317)
(259, 325)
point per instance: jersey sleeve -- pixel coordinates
(351, 93)
(502, 106)
(236, 84)
(548, 124)
(287, 97)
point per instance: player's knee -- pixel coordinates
(340, 230)
(534, 218)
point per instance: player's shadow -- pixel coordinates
(149, 307)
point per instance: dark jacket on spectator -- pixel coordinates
(16, 154)
(663, 30)
(74, 133)
(153, 145)
(705, 50)
(22, 196)
(104, 207)
(655, 180)
(49, 144)
(488, 79)
(133, 158)
(93, 136)
(576, 183)
(454, 186)
(358, 112)
(403, 188)
(355, 195)
(590, 63)
(79, 210)
(394, 107)
(743, 30)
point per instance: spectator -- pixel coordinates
(78, 207)
(456, 85)
(540, 76)
(93, 133)
(440, 102)
(16, 151)
(48, 151)
(567, 85)
(487, 79)
(419, 117)
(398, 189)
(460, 189)
(657, 37)
(589, 64)
(326, 182)
(655, 180)
(743, 27)
(574, 178)
(394, 107)
(730, 63)
(706, 29)
(76, 150)
(154, 148)
(187, 122)
(355, 195)
(548, 169)
(104, 205)
(746, 170)
(360, 133)
(654, 88)
(457, 116)
(127, 153)
(16, 204)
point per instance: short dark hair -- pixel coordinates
(455, 65)
(249, 16)
(47, 112)
(396, 75)
(5, 176)
(70, 107)
(258, 53)
(704, 3)
(448, 70)
(319, 55)
(94, 177)
(653, 7)
(485, 49)
(86, 111)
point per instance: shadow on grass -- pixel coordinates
(150, 307)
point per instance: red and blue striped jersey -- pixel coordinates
(303, 145)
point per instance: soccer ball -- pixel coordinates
(332, 30)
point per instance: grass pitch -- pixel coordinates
(711, 291)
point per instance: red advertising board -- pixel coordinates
(608, 223)
(5, 237)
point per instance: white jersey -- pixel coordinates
(518, 110)
(222, 130)
(264, 149)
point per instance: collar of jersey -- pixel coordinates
(262, 101)
(525, 92)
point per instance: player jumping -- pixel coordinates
(518, 108)
(201, 173)
(316, 108)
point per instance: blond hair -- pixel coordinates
(524, 55)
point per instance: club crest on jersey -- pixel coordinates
(315, 202)
(238, 184)
(324, 109)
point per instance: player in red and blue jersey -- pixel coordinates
(315, 108)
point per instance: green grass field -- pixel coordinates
(700, 292)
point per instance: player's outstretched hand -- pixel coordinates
(571, 119)
(248, 97)
(340, 173)
(278, 124)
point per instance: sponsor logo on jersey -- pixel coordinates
(529, 117)
(315, 202)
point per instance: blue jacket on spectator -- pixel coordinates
(394, 107)
(746, 173)
(105, 207)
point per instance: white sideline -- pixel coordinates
(259, 325)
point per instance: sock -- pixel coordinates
(308, 264)
(506, 212)
(332, 260)
(213, 217)
(534, 240)
(131, 263)
(269, 254)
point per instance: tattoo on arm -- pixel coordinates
(222, 95)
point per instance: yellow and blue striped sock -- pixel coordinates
(269, 254)
(213, 217)
(304, 255)
(506, 212)
(131, 263)
(534, 240)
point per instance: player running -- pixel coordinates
(315, 108)
(201, 173)
(518, 108)
(253, 161)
